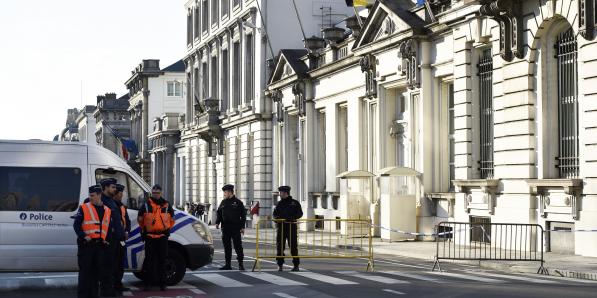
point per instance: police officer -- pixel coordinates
(117, 234)
(120, 252)
(156, 218)
(93, 227)
(287, 211)
(231, 215)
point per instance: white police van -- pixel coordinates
(41, 186)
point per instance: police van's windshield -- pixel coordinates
(134, 195)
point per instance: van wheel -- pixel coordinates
(176, 267)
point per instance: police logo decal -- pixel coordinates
(23, 216)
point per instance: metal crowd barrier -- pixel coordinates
(489, 241)
(320, 239)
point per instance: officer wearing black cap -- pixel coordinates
(120, 250)
(287, 211)
(92, 225)
(107, 281)
(155, 218)
(231, 215)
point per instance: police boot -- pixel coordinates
(280, 268)
(241, 266)
(296, 268)
(226, 267)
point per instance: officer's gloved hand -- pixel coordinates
(167, 233)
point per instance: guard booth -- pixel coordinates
(355, 199)
(400, 188)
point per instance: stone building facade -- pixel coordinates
(226, 136)
(112, 120)
(473, 110)
(153, 91)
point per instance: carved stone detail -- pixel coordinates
(586, 20)
(368, 66)
(508, 14)
(298, 90)
(277, 99)
(409, 66)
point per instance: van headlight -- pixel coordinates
(202, 231)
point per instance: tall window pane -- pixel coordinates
(249, 72)
(225, 74)
(566, 56)
(214, 77)
(486, 114)
(236, 75)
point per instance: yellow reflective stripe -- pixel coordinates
(91, 222)
(92, 231)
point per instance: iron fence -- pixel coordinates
(485, 241)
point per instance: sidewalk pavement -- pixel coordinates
(572, 266)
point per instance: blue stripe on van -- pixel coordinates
(136, 250)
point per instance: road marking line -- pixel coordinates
(127, 293)
(228, 271)
(197, 291)
(515, 277)
(469, 277)
(181, 285)
(325, 278)
(261, 260)
(377, 278)
(413, 276)
(222, 281)
(284, 295)
(52, 282)
(401, 264)
(133, 288)
(281, 281)
(393, 292)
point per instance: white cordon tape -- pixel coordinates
(452, 232)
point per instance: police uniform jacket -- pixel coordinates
(288, 209)
(231, 214)
(77, 225)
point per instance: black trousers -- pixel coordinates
(118, 272)
(90, 258)
(107, 276)
(156, 251)
(287, 233)
(229, 236)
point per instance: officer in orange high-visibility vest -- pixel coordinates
(120, 251)
(93, 226)
(156, 218)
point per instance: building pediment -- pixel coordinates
(387, 18)
(290, 64)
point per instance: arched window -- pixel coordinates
(567, 101)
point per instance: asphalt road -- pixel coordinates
(322, 278)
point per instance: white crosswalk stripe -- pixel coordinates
(325, 278)
(412, 275)
(376, 278)
(277, 280)
(468, 277)
(222, 281)
(514, 277)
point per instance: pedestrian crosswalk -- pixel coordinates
(204, 281)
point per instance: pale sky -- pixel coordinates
(47, 48)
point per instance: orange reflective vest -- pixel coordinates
(123, 215)
(156, 219)
(92, 226)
